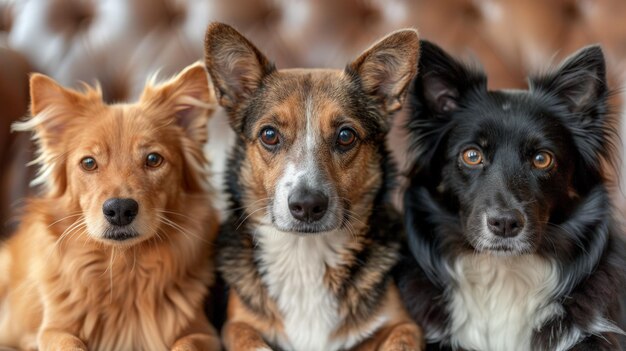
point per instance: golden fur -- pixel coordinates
(62, 284)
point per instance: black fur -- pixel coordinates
(566, 208)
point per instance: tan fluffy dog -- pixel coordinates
(116, 253)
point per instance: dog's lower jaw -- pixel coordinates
(120, 234)
(306, 231)
(298, 227)
(484, 241)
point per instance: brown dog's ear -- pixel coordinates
(235, 65)
(189, 97)
(387, 68)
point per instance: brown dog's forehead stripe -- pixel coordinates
(295, 87)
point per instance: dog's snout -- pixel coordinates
(307, 206)
(506, 224)
(120, 212)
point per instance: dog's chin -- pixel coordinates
(123, 236)
(305, 229)
(288, 224)
(503, 247)
(505, 251)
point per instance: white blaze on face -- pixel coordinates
(305, 170)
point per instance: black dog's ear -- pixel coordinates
(442, 80)
(580, 81)
(388, 66)
(438, 90)
(235, 65)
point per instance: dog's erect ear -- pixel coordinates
(438, 90)
(580, 81)
(189, 97)
(53, 111)
(387, 67)
(442, 79)
(45, 93)
(580, 85)
(235, 65)
(54, 108)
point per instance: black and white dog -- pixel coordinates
(512, 244)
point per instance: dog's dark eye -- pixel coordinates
(543, 160)
(88, 164)
(472, 157)
(269, 136)
(154, 160)
(346, 138)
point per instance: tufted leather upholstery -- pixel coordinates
(120, 42)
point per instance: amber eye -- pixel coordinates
(472, 157)
(346, 138)
(269, 136)
(154, 160)
(543, 160)
(88, 164)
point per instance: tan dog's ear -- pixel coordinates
(53, 111)
(188, 95)
(387, 68)
(235, 65)
(46, 93)
(54, 108)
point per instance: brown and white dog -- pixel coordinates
(311, 237)
(116, 254)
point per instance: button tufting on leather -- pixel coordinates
(6, 17)
(120, 42)
(173, 14)
(70, 17)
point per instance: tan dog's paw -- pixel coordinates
(60, 341)
(198, 342)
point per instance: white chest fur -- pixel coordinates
(293, 270)
(498, 301)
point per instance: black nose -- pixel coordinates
(307, 206)
(506, 224)
(120, 211)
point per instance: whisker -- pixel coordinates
(112, 259)
(195, 220)
(180, 229)
(69, 230)
(250, 214)
(248, 206)
(74, 214)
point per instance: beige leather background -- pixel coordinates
(120, 42)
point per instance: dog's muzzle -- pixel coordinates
(120, 213)
(505, 223)
(308, 206)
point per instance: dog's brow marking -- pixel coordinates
(310, 169)
(310, 135)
